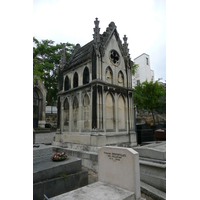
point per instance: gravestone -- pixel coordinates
(120, 167)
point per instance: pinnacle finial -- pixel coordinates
(125, 45)
(96, 34)
(63, 56)
(125, 39)
(96, 23)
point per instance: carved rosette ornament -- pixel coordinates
(114, 57)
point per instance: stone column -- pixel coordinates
(104, 111)
(70, 113)
(127, 117)
(79, 122)
(61, 112)
(116, 120)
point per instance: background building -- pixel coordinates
(143, 72)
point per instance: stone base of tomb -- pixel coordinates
(97, 139)
(97, 191)
(54, 178)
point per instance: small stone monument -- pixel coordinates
(120, 167)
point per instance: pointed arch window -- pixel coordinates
(75, 81)
(66, 115)
(86, 76)
(67, 84)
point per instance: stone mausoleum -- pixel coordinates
(39, 104)
(95, 103)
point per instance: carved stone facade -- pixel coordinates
(39, 104)
(95, 104)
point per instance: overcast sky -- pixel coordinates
(142, 21)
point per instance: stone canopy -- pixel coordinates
(95, 103)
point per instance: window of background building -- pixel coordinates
(147, 61)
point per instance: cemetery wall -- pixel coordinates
(149, 117)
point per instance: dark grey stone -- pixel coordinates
(59, 185)
(50, 169)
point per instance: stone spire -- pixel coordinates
(125, 45)
(63, 59)
(96, 35)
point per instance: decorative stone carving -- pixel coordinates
(75, 113)
(120, 79)
(125, 45)
(114, 57)
(109, 75)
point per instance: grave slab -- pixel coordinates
(97, 191)
(49, 169)
(55, 177)
(155, 150)
(153, 165)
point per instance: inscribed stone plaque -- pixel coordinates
(120, 167)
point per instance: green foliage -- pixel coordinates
(46, 57)
(64, 176)
(150, 96)
(134, 67)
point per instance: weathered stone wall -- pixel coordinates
(51, 118)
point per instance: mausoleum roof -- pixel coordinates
(80, 54)
(98, 44)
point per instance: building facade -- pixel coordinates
(95, 104)
(143, 72)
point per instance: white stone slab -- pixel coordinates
(97, 191)
(120, 167)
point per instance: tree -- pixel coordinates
(134, 67)
(150, 96)
(46, 57)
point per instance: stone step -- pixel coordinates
(59, 185)
(153, 164)
(97, 191)
(55, 177)
(152, 192)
